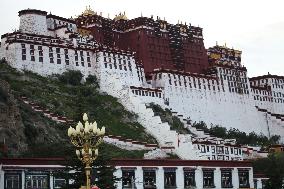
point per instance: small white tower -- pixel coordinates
(33, 21)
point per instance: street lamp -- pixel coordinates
(86, 138)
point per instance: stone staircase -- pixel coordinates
(167, 138)
(123, 143)
(278, 117)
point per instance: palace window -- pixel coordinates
(82, 57)
(66, 56)
(149, 177)
(58, 56)
(236, 151)
(170, 178)
(128, 179)
(40, 54)
(51, 55)
(213, 149)
(208, 179)
(220, 149)
(24, 52)
(88, 59)
(226, 179)
(12, 181)
(76, 58)
(37, 180)
(32, 52)
(203, 149)
(57, 50)
(244, 179)
(226, 150)
(58, 59)
(189, 178)
(59, 183)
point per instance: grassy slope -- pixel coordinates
(72, 101)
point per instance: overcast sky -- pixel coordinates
(256, 27)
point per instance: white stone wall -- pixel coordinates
(33, 23)
(217, 107)
(46, 68)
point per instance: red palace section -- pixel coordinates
(156, 43)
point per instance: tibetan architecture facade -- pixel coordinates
(38, 173)
(146, 60)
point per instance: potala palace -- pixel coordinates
(146, 60)
(142, 61)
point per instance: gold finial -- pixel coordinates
(121, 16)
(88, 11)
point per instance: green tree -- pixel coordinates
(273, 167)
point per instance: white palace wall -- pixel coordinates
(33, 23)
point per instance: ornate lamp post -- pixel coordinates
(86, 139)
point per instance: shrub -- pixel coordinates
(71, 77)
(92, 80)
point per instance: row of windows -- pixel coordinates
(238, 90)
(147, 93)
(38, 39)
(232, 78)
(58, 55)
(269, 99)
(32, 180)
(195, 85)
(106, 54)
(277, 81)
(109, 59)
(149, 178)
(234, 84)
(120, 66)
(231, 72)
(219, 149)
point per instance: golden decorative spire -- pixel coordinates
(120, 16)
(88, 11)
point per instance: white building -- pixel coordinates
(29, 173)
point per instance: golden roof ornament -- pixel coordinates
(88, 11)
(120, 16)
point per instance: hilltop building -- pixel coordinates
(142, 61)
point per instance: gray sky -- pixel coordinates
(256, 27)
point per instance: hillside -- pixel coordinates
(24, 130)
